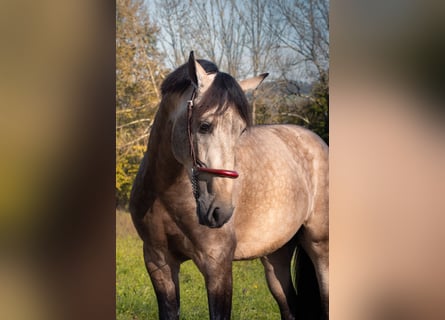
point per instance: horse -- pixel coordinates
(214, 188)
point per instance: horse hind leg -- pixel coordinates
(164, 275)
(313, 260)
(277, 267)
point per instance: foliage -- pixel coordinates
(312, 112)
(139, 73)
(295, 103)
(318, 111)
(127, 165)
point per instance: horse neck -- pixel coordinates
(162, 168)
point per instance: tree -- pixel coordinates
(288, 38)
(302, 26)
(208, 27)
(173, 16)
(139, 71)
(312, 112)
(247, 38)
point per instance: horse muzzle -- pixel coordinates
(210, 211)
(211, 214)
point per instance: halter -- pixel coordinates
(199, 166)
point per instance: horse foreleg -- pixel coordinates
(279, 280)
(217, 273)
(219, 292)
(164, 270)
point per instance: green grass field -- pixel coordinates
(135, 298)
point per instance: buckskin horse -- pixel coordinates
(214, 188)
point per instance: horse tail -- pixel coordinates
(309, 305)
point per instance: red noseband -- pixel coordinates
(219, 172)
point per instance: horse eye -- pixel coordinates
(205, 127)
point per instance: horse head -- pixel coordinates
(217, 114)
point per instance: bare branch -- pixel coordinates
(129, 110)
(132, 123)
(306, 120)
(128, 144)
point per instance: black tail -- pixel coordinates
(309, 305)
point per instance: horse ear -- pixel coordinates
(192, 69)
(252, 83)
(198, 75)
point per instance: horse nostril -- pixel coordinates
(216, 215)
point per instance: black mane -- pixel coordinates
(178, 81)
(224, 91)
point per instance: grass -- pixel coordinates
(135, 298)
